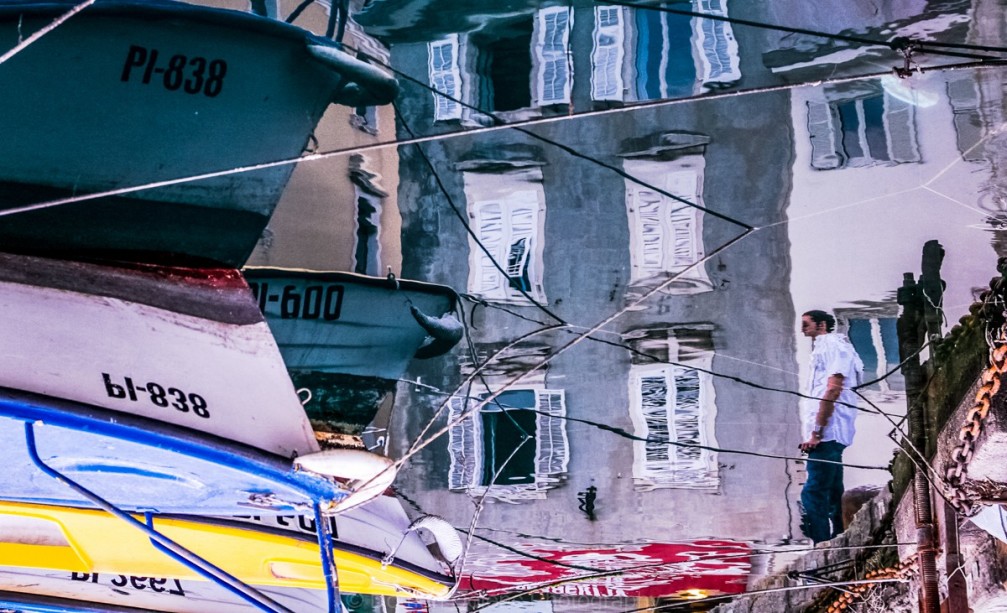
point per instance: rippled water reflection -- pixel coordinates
(695, 232)
(634, 254)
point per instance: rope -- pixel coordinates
(18, 48)
(903, 571)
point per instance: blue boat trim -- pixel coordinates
(325, 543)
(30, 408)
(161, 542)
(34, 603)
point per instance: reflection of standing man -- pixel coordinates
(828, 424)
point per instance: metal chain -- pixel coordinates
(957, 468)
(903, 570)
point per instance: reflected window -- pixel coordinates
(608, 53)
(666, 235)
(365, 119)
(672, 405)
(513, 448)
(963, 92)
(507, 212)
(367, 221)
(511, 67)
(862, 131)
(717, 50)
(552, 66)
(877, 343)
(663, 55)
(503, 67)
(367, 245)
(445, 77)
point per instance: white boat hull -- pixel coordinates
(182, 350)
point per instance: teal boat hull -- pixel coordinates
(345, 338)
(130, 94)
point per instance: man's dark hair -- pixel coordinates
(820, 316)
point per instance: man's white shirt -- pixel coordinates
(833, 354)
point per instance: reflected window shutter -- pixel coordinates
(687, 422)
(683, 231)
(552, 453)
(492, 233)
(686, 246)
(965, 101)
(650, 231)
(522, 236)
(718, 48)
(655, 394)
(553, 79)
(684, 184)
(607, 55)
(900, 130)
(461, 446)
(445, 77)
(822, 127)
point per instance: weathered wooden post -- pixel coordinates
(911, 299)
(932, 289)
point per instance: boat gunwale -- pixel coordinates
(219, 293)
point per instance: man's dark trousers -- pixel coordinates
(823, 493)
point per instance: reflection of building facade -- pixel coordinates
(587, 241)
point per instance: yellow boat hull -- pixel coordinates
(91, 541)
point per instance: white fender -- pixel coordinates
(447, 538)
(367, 474)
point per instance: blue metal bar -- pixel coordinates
(326, 543)
(178, 552)
(149, 517)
